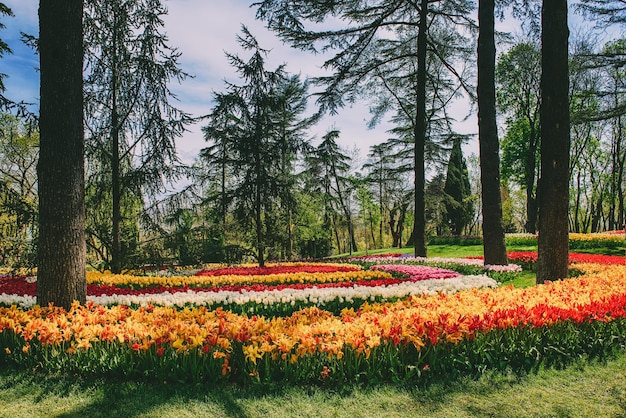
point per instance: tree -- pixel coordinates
(256, 130)
(607, 11)
(61, 254)
(131, 122)
(458, 205)
(518, 75)
(328, 166)
(4, 49)
(493, 228)
(387, 170)
(553, 240)
(19, 146)
(357, 59)
(290, 128)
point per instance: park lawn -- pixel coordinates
(584, 389)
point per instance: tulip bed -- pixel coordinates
(389, 321)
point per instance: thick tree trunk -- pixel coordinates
(419, 228)
(553, 241)
(493, 229)
(61, 256)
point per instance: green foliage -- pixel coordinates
(131, 124)
(19, 151)
(4, 48)
(25, 394)
(459, 208)
(256, 133)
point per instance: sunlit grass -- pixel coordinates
(581, 390)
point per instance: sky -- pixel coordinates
(203, 30)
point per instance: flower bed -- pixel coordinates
(261, 299)
(405, 339)
(528, 259)
(386, 329)
(470, 266)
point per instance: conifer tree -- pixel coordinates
(459, 208)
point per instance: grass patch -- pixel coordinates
(584, 389)
(452, 251)
(523, 279)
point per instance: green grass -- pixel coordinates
(452, 251)
(585, 389)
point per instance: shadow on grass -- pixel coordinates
(108, 398)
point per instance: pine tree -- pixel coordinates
(131, 122)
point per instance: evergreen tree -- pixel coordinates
(608, 12)
(4, 49)
(457, 202)
(328, 168)
(131, 122)
(256, 130)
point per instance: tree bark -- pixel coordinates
(62, 249)
(419, 228)
(489, 147)
(553, 244)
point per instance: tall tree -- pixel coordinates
(518, 75)
(459, 208)
(330, 165)
(489, 146)
(61, 266)
(360, 57)
(290, 127)
(553, 240)
(131, 122)
(19, 150)
(256, 130)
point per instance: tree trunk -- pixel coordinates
(116, 189)
(114, 152)
(553, 244)
(419, 228)
(493, 229)
(61, 257)
(531, 193)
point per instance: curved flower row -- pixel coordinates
(279, 268)
(417, 272)
(416, 321)
(437, 261)
(530, 257)
(307, 294)
(230, 280)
